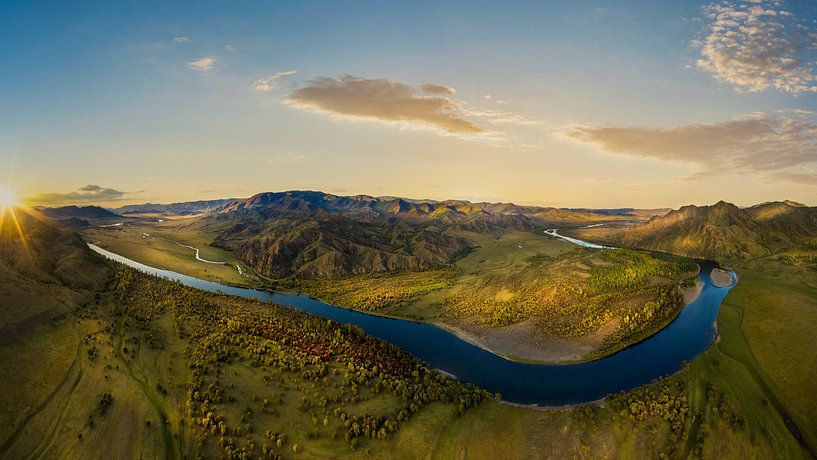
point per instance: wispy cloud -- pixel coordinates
(84, 195)
(757, 45)
(758, 143)
(437, 89)
(500, 117)
(203, 64)
(182, 39)
(286, 158)
(269, 83)
(229, 47)
(383, 100)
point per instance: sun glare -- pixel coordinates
(7, 198)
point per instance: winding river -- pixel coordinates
(690, 334)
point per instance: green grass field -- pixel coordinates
(162, 249)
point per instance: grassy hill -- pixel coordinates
(36, 248)
(721, 231)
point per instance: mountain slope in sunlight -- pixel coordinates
(310, 234)
(721, 231)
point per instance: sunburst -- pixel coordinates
(8, 198)
(10, 223)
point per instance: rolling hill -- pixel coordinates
(720, 231)
(78, 212)
(37, 249)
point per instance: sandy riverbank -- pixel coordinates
(523, 342)
(721, 278)
(691, 293)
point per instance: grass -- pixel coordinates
(775, 306)
(376, 291)
(163, 250)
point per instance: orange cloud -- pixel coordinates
(383, 100)
(759, 143)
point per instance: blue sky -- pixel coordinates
(587, 104)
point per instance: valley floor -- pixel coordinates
(499, 264)
(58, 362)
(726, 404)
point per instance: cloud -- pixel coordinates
(382, 100)
(182, 39)
(203, 64)
(287, 158)
(758, 143)
(437, 89)
(87, 194)
(229, 47)
(758, 45)
(268, 84)
(500, 117)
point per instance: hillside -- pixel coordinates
(37, 249)
(79, 212)
(175, 209)
(720, 231)
(310, 234)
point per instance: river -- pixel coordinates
(690, 334)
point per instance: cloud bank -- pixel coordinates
(758, 45)
(384, 100)
(85, 195)
(779, 146)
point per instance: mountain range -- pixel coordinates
(310, 234)
(178, 209)
(78, 212)
(720, 231)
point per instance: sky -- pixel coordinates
(570, 104)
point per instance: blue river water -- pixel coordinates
(690, 334)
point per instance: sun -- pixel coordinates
(8, 198)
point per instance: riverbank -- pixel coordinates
(691, 293)
(516, 343)
(519, 343)
(721, 277)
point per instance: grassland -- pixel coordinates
(527, 296)
(190, 373)
(165, 245)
